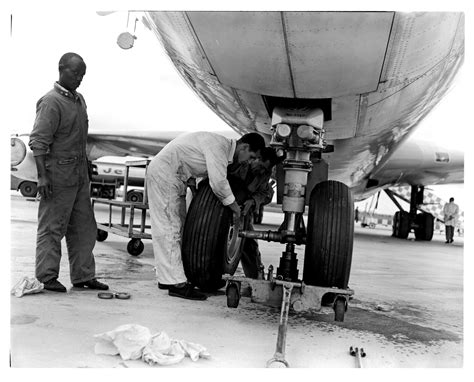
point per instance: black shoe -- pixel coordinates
(447, 242)
(187, 291)
(164, 286)
(92, 284)
(55, 286)
(451, 240)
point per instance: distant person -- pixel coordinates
(192, 155)
(357, 214)
(58, 142)
(451, 212)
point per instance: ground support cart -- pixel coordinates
(127, 229)
(297, 295)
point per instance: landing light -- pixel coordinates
(283, 130)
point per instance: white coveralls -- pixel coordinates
(197, 155)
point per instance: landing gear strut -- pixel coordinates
(422, 224)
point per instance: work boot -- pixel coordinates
(187, 291)
(92, 284)
(55, 286)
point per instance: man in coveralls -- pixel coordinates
(191, 155)
(252, 179)
(58, 142)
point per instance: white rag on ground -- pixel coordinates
(27, 285)
(133, 342)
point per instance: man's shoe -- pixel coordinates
(187, 291)
(447, 242)
(55, 286)
(164, 286)
(92, 284)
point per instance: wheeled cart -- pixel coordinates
(127, 227)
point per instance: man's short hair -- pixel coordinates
(268, 153)
(64, 60)
(254, 140)
(451, 199)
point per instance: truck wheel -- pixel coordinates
(205, 246)
(135, 196)
(28, 189)
(330, 236)
(425, 226)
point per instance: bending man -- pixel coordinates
(192, 155)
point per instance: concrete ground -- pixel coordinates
(407, 310)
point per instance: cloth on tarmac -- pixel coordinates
(27, 285)
(134, 342)
(192, 155)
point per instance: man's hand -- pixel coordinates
(45, 188)
(248, 204)
(236, 213)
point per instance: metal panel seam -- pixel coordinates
(389, 45)
(201, 48)
(287, 48)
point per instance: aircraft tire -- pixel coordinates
(28, 189)
(401, 224)
(425, 222)
(330, 236)
(205, 240)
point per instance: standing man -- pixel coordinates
(451, 211)
(58, 142)
(192, 155)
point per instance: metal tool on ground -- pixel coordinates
(279, 355)
(111, 294)
(358, 354)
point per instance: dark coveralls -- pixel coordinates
(248, 184)
(60, 131)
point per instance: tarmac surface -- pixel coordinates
(407, 310)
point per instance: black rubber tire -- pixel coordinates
(339, 310)
(135, 247)
(425, 223)
(233, 295)
(401, 224)
(205, 237)
(28, 189)
(330, 236)
(102, 235)
(135, 196)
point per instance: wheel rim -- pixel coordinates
(233, 244)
